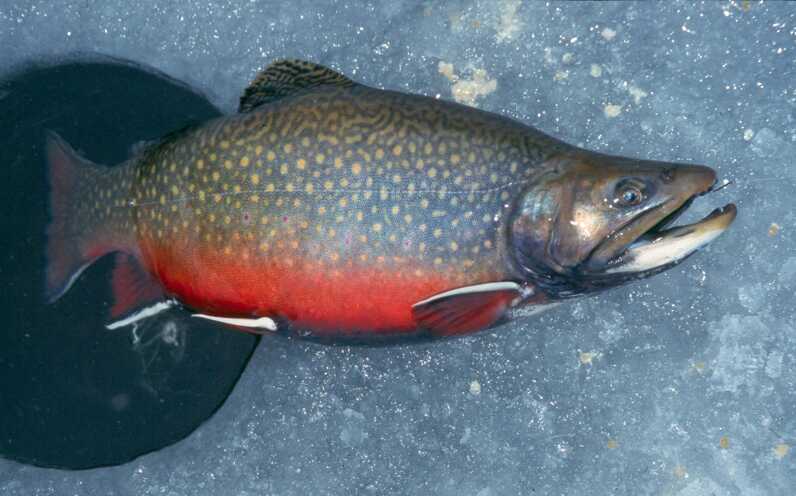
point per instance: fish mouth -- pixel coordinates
(649, 244)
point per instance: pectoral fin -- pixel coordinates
(467, 309)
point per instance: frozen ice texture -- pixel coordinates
(682, 384)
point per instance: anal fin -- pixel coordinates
(467, 309)
(133, 286)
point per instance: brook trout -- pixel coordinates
(332, 210)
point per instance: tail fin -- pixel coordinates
(72, 236)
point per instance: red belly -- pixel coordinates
(325, 299)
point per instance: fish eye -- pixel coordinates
(628, 194)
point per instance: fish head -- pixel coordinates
(589, 222)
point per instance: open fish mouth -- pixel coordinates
(650, 243)
(661, 246)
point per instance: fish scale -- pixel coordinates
(334, 208)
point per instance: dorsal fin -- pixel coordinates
(286, 77)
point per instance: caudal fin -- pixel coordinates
(72, 243)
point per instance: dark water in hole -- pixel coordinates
(73, 394)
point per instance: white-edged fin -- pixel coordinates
(675, 244)
(467, 309)
(260, 323)
(142, 314)
(488, 287)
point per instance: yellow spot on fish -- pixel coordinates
(379, 154)
(270, 187)
(264, 220)
(408, 219)
(343, 202)
(356, 168)
(432, 172)
(271, 156)
(321, 210)
(200, 164)
(237, 188)
(487, 244)
(395, 209)
(319, 158)
(201, 195)
(255, 179)
(175, 191)
(216, 176)
(437, 232)
(428, 148)
(309, 188)
(162, 201)
(244, 161)
(396, 150)
(328, 185)
(377, 227)
(289, 187)
(438, 261)
(455, 158)
(359, 216)
(344, 182)
(338, 162)
(228, 164)
(396, 178)
(454, 246)
(424, 203)
(283, 169)
(420, 164)
(301, 163)
(224, 144)
(258, 150)
(288, 148)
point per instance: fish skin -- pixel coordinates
(335, 209)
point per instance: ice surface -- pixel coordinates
(682, 385)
